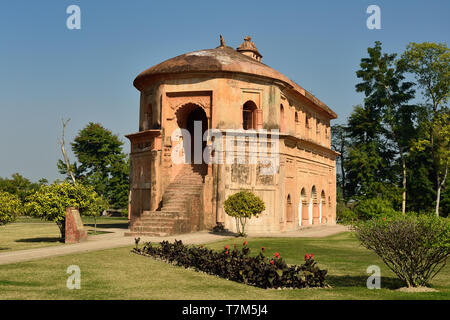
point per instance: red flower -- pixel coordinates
(384, 219)
(262, 248)
(227, 247)
(271, 261)
(307, 256)
(277, 255)
(245, 243)
(226, 252)
(311, 256)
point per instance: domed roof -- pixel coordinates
(221, 59)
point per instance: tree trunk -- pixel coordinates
(404, 185)
(343, 175)
(63, 150)
(62, 229)
(440, 184)
(438, 198)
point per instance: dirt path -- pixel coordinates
(116, 239)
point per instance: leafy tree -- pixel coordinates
(50, 202)
(20, 186)
(441, 144)
(242, 206)
(375, 207)
(102, 164)
(368, 170)
(10, 207)
(387, 93)
(429, 62)
(344, 214)
(340, 143)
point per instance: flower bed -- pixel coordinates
(237, 265)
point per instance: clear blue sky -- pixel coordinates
(48, 72)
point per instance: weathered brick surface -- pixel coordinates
(75, 231)
(181, 210)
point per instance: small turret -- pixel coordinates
(249, 49)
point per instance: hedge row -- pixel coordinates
(237, 265)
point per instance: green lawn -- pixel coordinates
(119, 274)
(30, 233)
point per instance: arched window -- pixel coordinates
(282, 121)
(322, 209)
(249, 115)
(312, 203)
(289, 213)
(302, 208)
(307, 125)
(296, 117)
(314, 194)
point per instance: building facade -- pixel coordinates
(223, 95)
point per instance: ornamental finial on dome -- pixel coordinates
(222, 42)
(249, 49)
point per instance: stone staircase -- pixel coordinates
(181, 207)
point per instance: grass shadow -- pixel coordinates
(361, 281)
(224, 233)
(19, 284)
(4, 249)
(42, 239)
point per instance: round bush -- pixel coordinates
(376, 207)
(10, 207)
(242, 206)
(415, 248)
(344, 214)
(50, 202)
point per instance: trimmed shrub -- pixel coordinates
(344, 214)
(237, 265)
(10, 207)
(376, 207)
(415, 248)
(242, 206)
(50, 202)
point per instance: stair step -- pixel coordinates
(158, 219)
(185, 186)
(172, 208)
(149, 228)
(147, 234)
(180, 200)
(161, 214)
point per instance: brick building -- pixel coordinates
(230, 92)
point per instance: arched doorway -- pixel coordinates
(192, 118)
(289, 215)
(196, 124)
(322, 207)
(302, 206)
(312, 202)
